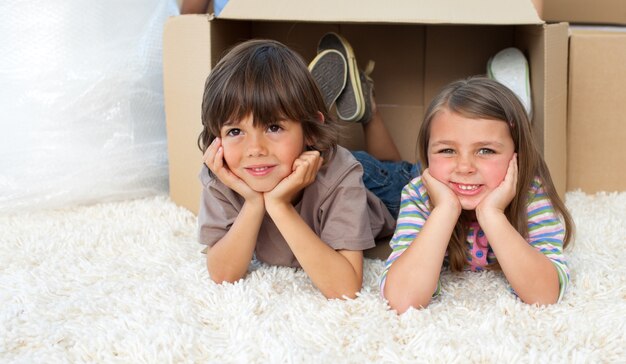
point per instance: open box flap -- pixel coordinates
(389, 11)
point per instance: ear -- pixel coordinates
(309, 140)
(320, 117)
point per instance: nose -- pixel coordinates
(465, 164)
(256, 145)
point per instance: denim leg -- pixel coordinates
(386, 179)
(416, 170)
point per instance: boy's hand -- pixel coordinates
(440, 194)
(304, 171)
(214, 159)
(498, 199)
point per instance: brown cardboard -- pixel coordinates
(415, 48)
(373, 11)
(597, 111)
(584, 11)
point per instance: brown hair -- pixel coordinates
(482, 98)
(270, 81)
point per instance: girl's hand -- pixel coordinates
(440, 194)
(498, 199)
(214, 159)
(304, 171)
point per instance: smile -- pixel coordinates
(259, 171)
(468, 187)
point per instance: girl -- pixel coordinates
(485, 193)
(278, 186)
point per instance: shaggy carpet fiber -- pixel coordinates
(125, 282)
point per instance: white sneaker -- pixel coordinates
(510, 68)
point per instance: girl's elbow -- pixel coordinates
(401, 301)
(541, 298)
(401, 306)
(542, 295)
(541, 301)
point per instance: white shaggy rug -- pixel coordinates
(125, 282)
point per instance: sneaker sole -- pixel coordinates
(329, 70)
(350, 101)
(510, 68)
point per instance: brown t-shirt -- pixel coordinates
(337, 207)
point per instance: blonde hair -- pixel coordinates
(483, 98)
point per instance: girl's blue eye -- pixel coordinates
(446, 151)
(486, 151)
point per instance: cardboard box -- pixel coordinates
(418, 47)
(584, 11)
(596, 128)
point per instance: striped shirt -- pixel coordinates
(545, 231)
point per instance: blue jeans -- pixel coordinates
(386, 179)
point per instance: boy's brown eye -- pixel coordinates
(274, 128)
(233, 132)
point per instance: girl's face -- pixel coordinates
(262, 157)
(470, 156)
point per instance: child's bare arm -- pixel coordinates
(229, 258)
(531, 274)
(334, 273)
(322, 263)
(412, 278)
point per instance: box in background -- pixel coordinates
(417, 47)
(596, 128)
(583, 11)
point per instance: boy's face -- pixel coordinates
(262, 157)
(470, 156)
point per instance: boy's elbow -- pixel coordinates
(344, 294)
(338, 295)
(224, 273)
(219, 279)
(220, 276)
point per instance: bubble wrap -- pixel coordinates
(81, 102)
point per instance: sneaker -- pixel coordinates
(367, 86)
(510, 68)
(350, 103)
(329, 70)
